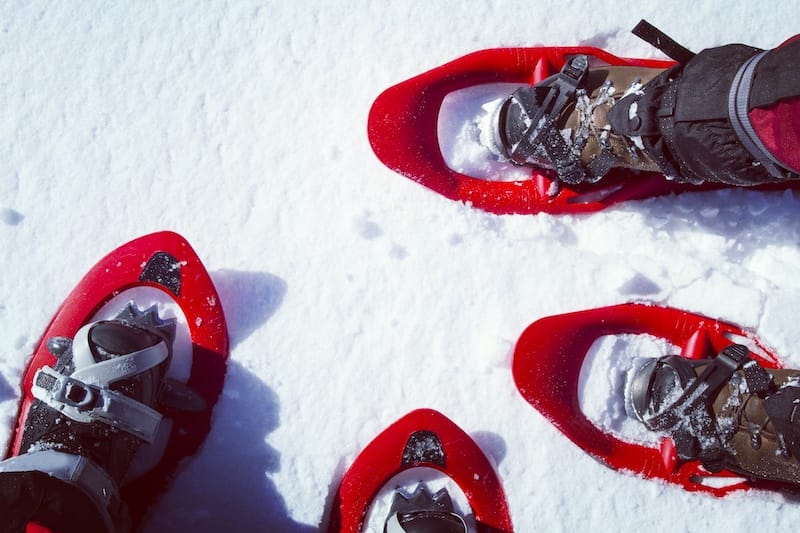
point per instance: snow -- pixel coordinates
(605, 379)
(354, 295)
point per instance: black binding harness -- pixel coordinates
(689, 419)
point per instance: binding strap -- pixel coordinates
(700, 390)
(657, 38)
(560, 91)
(689, 419)
(540, 134)
(85, 395)
(86, 403)
(76, 470)
(783, 409)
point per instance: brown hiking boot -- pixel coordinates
(562, 123)
(756, 446)
(588, 122)
(730, 414)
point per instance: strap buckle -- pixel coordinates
(88, 403)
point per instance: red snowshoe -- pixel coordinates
(422, 448)
(150, 314)
(547, 368)
(428, 128)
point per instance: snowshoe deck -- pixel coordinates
(164, 264)
(547, 365)
(402, 129)
(422, 438)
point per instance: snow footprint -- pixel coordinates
(366, 228)
(10, 217)
(639, 285)
(369, 230)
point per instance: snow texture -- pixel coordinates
(354, 295)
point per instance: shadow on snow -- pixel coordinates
(226, 486)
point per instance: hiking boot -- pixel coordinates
(562, 123)
(98, 405)
(748, 423)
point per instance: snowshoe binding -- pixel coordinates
(728, 411)
(423, 512)
(562, 123)
(717, 418)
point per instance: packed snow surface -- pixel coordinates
(354, 295)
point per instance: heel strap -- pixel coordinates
(75, 470)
